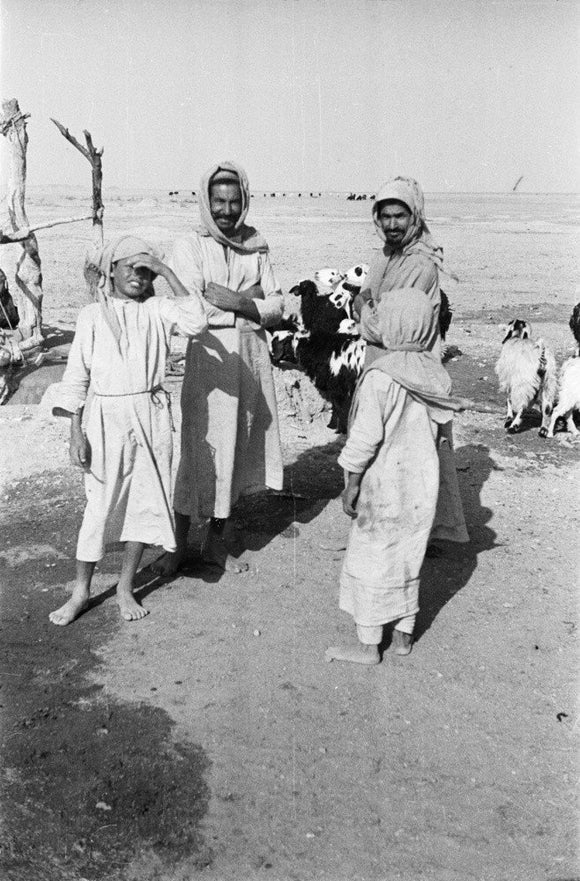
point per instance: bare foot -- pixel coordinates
(402, 643)
(333, 544)
(355, 654)
(71, 610)
(168, 563)
(215, 551)
(129, 607)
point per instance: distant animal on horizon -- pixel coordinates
(526, 369)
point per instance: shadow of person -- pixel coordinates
(310, 482)
(227, 445)
(444, 576)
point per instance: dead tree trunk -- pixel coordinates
(94, 157)
(28, 268)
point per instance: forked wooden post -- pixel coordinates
(28, 270)
(94, 157)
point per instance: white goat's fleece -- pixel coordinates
(568, 395)
(517, 371)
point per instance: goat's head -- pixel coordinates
(305, 288)
(328, 277)
(356, 275)
(518, 329)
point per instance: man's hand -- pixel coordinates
(222, 297)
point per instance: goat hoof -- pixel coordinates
(507, 423)
(543, 432)
(513, 429)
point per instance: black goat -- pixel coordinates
(319, 313)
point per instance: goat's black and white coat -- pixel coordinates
(526, 369)
(324, 342)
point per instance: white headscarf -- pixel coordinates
(246, 239)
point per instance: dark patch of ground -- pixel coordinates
(88, 784)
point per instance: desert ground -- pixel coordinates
(211, 739)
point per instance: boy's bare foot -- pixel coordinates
(129, 607)
(71, 610)
(402, 642)
(168, 563)
(355, 654)
(215, 551)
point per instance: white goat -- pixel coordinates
(526, 370)
(568, 396)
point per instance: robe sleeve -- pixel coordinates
(187, 315)
(375, 401)
(271, 307)
(70, 393)
(187, 263)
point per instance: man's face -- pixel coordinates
(225, 203)
(395, 219)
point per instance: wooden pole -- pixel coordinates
(8, 238)
(28, 268)
(94, 157)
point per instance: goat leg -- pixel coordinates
(547, 409)
(510, 414)
(516, 423)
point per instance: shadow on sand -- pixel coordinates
(444, 576)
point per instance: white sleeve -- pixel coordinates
(373, 405)
(187, 315)
(271, 307)
(70, 393)
(187, 263)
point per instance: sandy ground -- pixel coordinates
(211, 739)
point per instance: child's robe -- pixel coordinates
(128, 424)
(393, 437)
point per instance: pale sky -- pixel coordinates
(464, 95)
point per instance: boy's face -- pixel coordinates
(131, 282)
(225, 203)
(395, 219)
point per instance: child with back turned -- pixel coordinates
(119, 350)
(392, 474)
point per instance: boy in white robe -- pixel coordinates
(119, 350)
(392, 475)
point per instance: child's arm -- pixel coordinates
(186, 312)
(366, 433)
(80, 449)
(350, 493)
(70, 393)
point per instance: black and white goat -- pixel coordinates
(569, 383)
(526, 369)
(333, 362)
(327, 346)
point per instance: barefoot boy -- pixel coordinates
(392, 476)
(119, 350)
